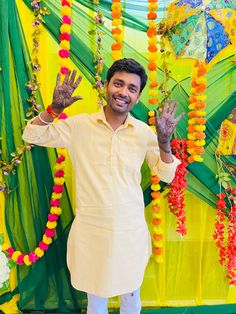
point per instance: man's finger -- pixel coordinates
(172, 106)
(179, 117)
(66, 77)
(58, 79)
(76, 84)
(173, 109)
(75, 98)
(72, 78)
(165, 108)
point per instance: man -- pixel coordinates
(109, 244)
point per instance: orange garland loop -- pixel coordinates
(116, 14)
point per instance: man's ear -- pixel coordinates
(105, 85)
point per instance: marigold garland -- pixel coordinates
(178, 185)
(65, 36)
(197, 120)
(116, 14)
(225, 237)
(55, 211)
(152, 56)
(157, 234)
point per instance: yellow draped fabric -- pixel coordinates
(227, 138)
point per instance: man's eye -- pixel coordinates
(133, 90)
(117, 84)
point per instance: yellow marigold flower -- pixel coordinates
(190, 151)
(61, 151)
(152, 40)
(200, 143)
(39, 252)
(154, 25)
(197, 158)
(65, 28)
(59, 181)
(152, 6)
(201, 97)
(152, 56)
(60, 166)
(152, 75)
(56, 210)
(191, 121)
(157, 230)
(155, 187)
(15, 255)
(116, 6)
(51, 225)
(116, 22)
(200, 113)
(156, 215)
(116, 54)
(5, 246)
(158, 243)
(26, 260)
(118, 37)
(191, 136)
(47, 240)
(151, 113)
(200, 128)
(191, 106)
(64, 62)
(153, 92)
(201, 80)
(192, 91)
(65, 44)
(156, 201)
(70, 1)
(56, 196)
(65, 10)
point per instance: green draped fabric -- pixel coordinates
(28, 205)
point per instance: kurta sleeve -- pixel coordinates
(165, 171)
(53, 135)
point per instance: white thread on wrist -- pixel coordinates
(43, 121)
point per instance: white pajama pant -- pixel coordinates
(130, 303)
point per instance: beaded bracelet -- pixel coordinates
(52, 113)
(41, 119)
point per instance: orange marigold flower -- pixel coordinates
(153, 84)
(155, 179)
(152, 66)
(200, 105)
(157, 251)
(201, 88)
(153, 101)
(191, 144)
(116, 14)
(152, 48)
(199, 150)
(152, 1)
(151, 120)
(201, 72)
(115, 0)
(157, 237)
(200, 120)
(200, 135)
(190, 159)
(191, 129)
(155, 195)
(152, 16)
(192, 99)
(116, 46)
(192, 114)
(151, 32)
(116, 30)
(156, 221)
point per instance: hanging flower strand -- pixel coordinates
(116, 14)
(55, 211)
(98, 59)
(157, 231)
(33, 84)
(178, 185)
(197, 120)
(65, 36)
(152, 56)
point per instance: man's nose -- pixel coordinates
(123, 90)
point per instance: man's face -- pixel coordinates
(123, 91)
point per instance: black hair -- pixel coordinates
(128, 65)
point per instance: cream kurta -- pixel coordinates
(109, 244)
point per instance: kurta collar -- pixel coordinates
(100, 116)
